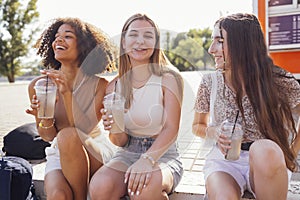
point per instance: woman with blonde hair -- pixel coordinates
(147, 165)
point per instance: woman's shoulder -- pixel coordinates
(206, 78)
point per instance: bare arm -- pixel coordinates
(119, 139)
(200, 124)
(46, 134)
(201, 128)
(87, 119)
(172, 108)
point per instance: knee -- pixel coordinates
(146, 195)
(67, 138)
(100, 186)
(266, 156)
(224, 195)
(59, 194)
(149, 193)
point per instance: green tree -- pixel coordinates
(16, 34)
(205, 36)
(189, 51)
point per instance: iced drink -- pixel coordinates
(45, 91)
(114, 104)
(235, 136)
(234, 152)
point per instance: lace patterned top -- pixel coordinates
(226, 108)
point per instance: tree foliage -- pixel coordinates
(189, 51)
(16, 34)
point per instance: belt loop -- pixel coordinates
(128, 141)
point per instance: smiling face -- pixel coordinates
(219, 48)
(65, 44)
(139, 42)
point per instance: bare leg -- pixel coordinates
(74, 161)
(268, 172)
(221, 185)
(57, 187)
(108, 182)
(160, 185)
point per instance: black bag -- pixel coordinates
(25, 142)
(16, 179)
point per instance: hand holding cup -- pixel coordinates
(230, 139)
(113, 118)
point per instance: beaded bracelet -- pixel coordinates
(150, 158)
(46, 127)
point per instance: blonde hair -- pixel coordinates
(159, 64)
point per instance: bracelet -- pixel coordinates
(209, 135)
(150, 158)
(206, 132)
(46, 127)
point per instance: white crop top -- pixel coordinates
(145, 116)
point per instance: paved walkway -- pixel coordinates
(14, 101)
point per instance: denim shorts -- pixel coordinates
(139, 145)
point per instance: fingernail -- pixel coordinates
(129, 190)
(110, 116)
(144, 186)
(137, 193)
(111, 121)
(125, 181)
(132, 193)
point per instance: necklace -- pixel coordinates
(139, 84)
(139, 81)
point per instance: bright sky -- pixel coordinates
(172, 15)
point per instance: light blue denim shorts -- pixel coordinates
(139, 145)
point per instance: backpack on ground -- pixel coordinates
(24, 141)
(16, 179)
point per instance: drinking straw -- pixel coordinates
(47, 82)
(114, 98)
(236, 117)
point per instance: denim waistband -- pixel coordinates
(139, 144)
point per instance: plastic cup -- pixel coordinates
(114, 104)
(45, 90)
(235, 136)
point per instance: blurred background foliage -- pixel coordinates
(187, 51)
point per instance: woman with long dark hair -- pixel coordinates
(260, 96)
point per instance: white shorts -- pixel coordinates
(53, 158)
(239, 170)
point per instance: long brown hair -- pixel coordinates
(89, 38)
(253, 71)
(158, 61)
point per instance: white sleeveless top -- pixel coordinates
(145, 116)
